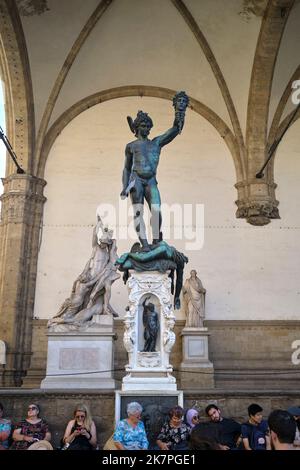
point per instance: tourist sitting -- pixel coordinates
(192, 417)
(228, 429)
(204, 436)
(5, 430)
(255, 432)
(80, 432)
(174, 434)
(31, 429)
(282, 427)
(130, 433)
(295, 411)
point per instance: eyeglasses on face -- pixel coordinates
(195, 417)
(32, 408)
(80, 416)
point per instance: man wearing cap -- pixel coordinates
(295, 411)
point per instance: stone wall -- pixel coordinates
(57, 407)
(247, 355)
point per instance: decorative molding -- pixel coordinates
(257, 213)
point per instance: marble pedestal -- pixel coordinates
(196, 369)
(149, 371)
(81, 358)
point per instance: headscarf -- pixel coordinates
(189, 416)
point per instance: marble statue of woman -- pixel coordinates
(194, 296)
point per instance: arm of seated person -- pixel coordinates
(91, 435)
(162, 445)
(93, 439)
(70, 436)
(4, 435)
(119, 446)
(17, 436)
(246, 443)
(268, 442)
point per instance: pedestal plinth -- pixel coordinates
(81, 358)
(196, 369)
(149, 370)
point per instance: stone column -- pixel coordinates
(21, 215)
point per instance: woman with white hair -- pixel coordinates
(130, 433)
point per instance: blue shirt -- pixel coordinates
(256, 435)
(132, 438)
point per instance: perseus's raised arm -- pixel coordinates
(180, 103)
(169, 135)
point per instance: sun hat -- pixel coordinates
(41, 445)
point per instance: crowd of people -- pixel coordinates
(182, 430)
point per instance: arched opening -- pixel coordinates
(84, 170)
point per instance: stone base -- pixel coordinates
(149, 370)
(81, 359)
(153, 384)
(196, 369)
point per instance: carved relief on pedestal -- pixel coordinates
(148, 359)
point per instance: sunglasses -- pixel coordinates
(32, 408)
(195, 417)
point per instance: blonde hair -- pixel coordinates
(88, 417)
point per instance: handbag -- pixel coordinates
(109, 444)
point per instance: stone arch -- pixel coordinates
(15, 71)
(279, 132)
(137, 90)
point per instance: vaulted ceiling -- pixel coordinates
(235, 59)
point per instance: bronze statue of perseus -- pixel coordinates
(141, 162)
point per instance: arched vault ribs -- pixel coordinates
(138, 90)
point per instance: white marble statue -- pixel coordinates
(92, 289)
(194, 296)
